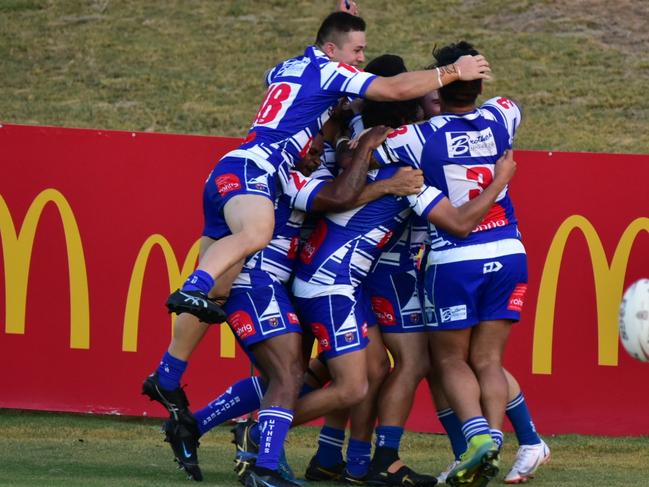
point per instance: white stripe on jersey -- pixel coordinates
(256, 155)
(489, 250)
(302, 289)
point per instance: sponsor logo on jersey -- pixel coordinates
(322, 335)
(292, 67)
(494, 266)
(312, 245)
(471, 144)
(453, 313)
(517, 299)
(292, 249)
(292, 318)
(226, 183)
(383, 310)
(386, 238)
(495, 218)
(241, 323)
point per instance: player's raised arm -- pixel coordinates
(341, 194)
(415, 84)
(461, 221)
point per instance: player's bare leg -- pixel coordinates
(251, 220)
(411, 364)
(488, 342)
(279, 360)
(348, 387)
(449, 357)
(363, 415)
(449, 352)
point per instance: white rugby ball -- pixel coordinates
(634, 320)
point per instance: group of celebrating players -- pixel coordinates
(367, 210)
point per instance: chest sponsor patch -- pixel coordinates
(471, 144)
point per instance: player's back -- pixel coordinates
(459, 158)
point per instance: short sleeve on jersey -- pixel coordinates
(505, 112)
(425, 201)
(302, 189)
(344, 79)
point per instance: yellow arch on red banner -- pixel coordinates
(609, 287)
(17, 250)
(177, 276)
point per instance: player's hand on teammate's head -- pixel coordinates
(348, 6)
(473, 67)
(374, 137)
(505, 166)
(406, 181)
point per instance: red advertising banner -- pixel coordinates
(98, 226)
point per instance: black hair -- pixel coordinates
(338, 23)
(459, 93)
(391, 113)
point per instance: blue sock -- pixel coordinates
(274, 423)
(498, 438)
(170, 371)
(475, 426)
(358, 457)
(330, 446)
(389, 437)
(521, 420)
(199, 281)
(240, 398)
(453, 429)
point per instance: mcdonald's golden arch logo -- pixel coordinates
(17, 250)
(609, 286)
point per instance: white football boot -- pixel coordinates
(441, 478)
(528, 459)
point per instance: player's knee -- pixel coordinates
(485, 361)
(413, 367)
(350, 394)
(378, 369)
(255, 238)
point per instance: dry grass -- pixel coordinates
(580, 69)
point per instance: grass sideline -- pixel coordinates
(579, 68)
(55, 449)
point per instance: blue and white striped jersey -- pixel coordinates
(457, 154)
(301, 92)
(295, 197)
(344, 246)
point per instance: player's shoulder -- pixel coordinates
(502, 110)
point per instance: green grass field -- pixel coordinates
(47, 449)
